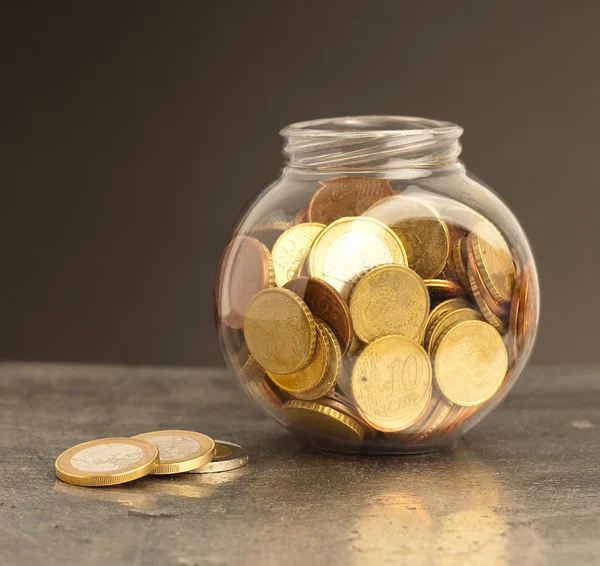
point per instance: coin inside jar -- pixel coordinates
(488, 314)
(470, 362)
(422, 232)
(527, 308)
(392, 383)
(346, 196)
(334, 363)
(494, 260)
(244, 270)
(290, 250)
(447, 321)
(310, 376)
(442, 289)
(389, 299)
(280, 330)
(327, 304)
(324, 421)
(350, 246)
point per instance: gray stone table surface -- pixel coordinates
(521, 488)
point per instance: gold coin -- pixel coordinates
(290, 250)
(334, 364)
(391, 382)
(423, 233)
(470, 362)
(107, 461)
(179, 450)
(280, 330)
(449, 320)
(498, 308)
(459, 263)
(350, 246)
(489, 316)
(345, 405)
(324, 421)
(494, 260)
(389, 299)
(310, 376)
(437, 313)
(228, 456)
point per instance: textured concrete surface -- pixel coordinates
(521, 488)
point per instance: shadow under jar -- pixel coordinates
(376, 298)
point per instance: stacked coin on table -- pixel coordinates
(374, 312)
(112, 461)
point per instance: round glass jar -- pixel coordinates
(377, 298)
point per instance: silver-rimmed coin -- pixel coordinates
(228, 456)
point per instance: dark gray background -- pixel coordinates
(134, 133)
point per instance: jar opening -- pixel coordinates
(371, 143)
(370, 125)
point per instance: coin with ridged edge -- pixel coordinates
(470, 362)
(228, 456)
(392, 383)
(350, 246)
(324, 421)
(311, 376)
(280, 331)
(499, 309)
(334, 364)
(389, 299)
(327, 304)
(449, 320)
(437, 313)
(489, 316)
(494, 260)
(290, 250)
(179, 450)
(107, 461)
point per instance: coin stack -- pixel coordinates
(374, 313)
(117, 460)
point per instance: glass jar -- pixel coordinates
(377, 298)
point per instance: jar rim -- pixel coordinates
(372, 125)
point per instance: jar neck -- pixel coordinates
(371, 143)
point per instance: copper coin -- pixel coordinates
(495, 306)
(512, 336)
(244, 270)
(301, 216)
(442, 289)
(327, 304)
(527, 309)
(346, 196)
